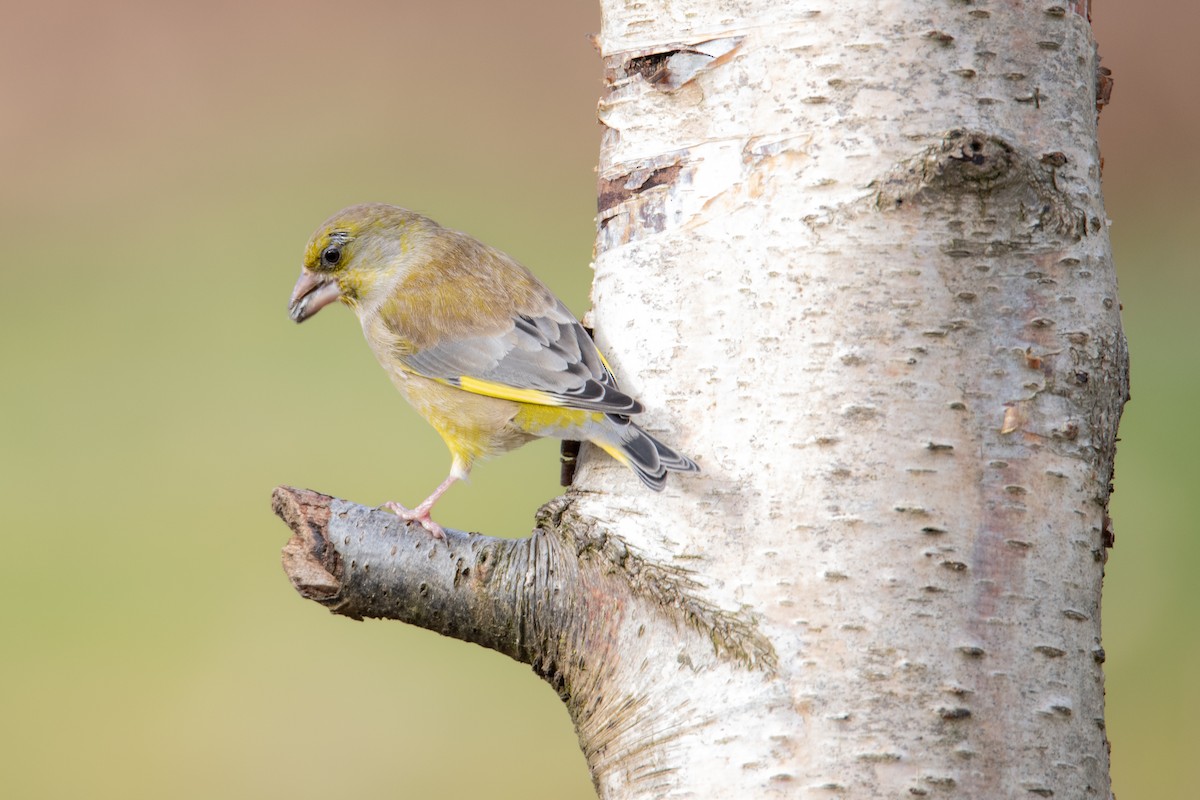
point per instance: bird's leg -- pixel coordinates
(421, 513)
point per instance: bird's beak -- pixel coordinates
(311, 294)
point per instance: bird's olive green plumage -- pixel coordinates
(476, 343)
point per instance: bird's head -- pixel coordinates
(354, 255)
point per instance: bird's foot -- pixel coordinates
(418, 514)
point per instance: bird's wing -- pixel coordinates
(545, 359)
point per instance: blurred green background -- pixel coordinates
(162, 166)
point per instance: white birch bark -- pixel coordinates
(853, 259)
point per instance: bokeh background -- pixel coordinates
(161, 166)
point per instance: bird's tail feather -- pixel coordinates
(645, 455)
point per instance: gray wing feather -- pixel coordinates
(551, 353)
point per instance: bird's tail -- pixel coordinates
(645, 455)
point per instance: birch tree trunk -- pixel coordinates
(854, 260)
(856, 254)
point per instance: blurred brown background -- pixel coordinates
(162, 166)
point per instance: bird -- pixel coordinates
(479, 347)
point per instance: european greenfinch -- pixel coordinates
(478, 345)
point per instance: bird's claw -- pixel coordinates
(418, 514)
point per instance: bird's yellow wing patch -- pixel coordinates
(505, 392)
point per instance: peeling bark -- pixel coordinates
(875, 295)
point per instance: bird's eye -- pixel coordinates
(331, 255)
